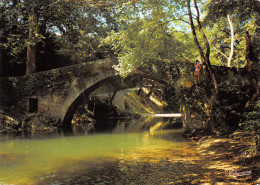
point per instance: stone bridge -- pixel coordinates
(58, 93)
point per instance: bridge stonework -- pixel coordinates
(57, 93)
(55, 90)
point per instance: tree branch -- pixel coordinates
(182, 56)
(223, 54)
(180, 20)
(232, 41)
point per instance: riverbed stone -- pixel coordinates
(8, 125)
(31, 122)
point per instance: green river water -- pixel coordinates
(34, 160)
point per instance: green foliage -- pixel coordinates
(148, 36)
(251, 123)
(148, 33)
(63, 31)
(12, 32)
(80, 40)
(241, 10)
(243, 15)
(234, 92)
(195, 95)
(158, 30)
(221, 113)
(252, 119)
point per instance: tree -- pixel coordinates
(229, 20)
(80, 39)
(68, 27)
(13, 36)
(148, 33)
(232, 41)
(20, 27)
(31, 8)
(28, 24)
(161, 32)
(204, 56)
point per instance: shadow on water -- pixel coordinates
(34, 135)
(108, 126)
(111, 126)
(99, 126)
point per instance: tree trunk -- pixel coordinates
(232, 41)
(31, 59)
(204, 56)
(150, 92)
(202, 33)
(195, 35)
(32, 41)
(249, 53)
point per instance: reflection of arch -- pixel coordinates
(130, 81)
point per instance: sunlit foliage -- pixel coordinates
(161, 30)
(243, 14)
(151, 31)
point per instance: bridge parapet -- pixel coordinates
(54, 89)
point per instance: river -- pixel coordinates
(62, 158)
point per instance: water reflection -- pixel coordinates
(120, 126)
(39, 159)
(103, 126)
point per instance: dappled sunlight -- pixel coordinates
(156, 126)
(136, 104)
(172, 153)
(152, 155)
(222, 166)
(49, 157)
(222, 155)
(155, 100)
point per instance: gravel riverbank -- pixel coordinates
(208, 161)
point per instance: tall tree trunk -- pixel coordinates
(232, 41)
(195, 35)
(203, 34)
(32, 41)
(204, 56)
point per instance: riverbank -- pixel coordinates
(207, 161)
(14, 122)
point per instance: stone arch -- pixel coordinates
(71, 110)
(130, 81)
